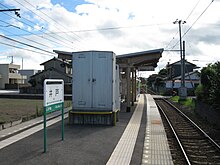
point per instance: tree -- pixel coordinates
(209, 90)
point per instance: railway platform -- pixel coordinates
(97, 145)
(156, 149)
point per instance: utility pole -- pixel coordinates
(183, 59)
(12, 59)
(182, 89)
(22, 63)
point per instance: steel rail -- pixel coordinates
(195, 125)
(175, 134)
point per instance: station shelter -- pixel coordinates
(129, 64)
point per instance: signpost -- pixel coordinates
(53, 101)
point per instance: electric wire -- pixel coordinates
(57, 39)
(193, 9)
(26, 44)
(41, 37)
(25, 49)
(193, 24)
(38, 15)
(198, 18)
(53, 21)
(7, 31)
(93, 30)
(111, 28)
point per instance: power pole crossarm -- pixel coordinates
(15, 10)
(4, 10)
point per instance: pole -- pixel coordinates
(181, 50)
(128, 72)
(62, 136)
(45, 131)
(182, 89)
(132, 87)
(22, 63)
(181, 53)
(183, 59)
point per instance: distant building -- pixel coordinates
(174, 69)
(170, 80)
(28, 73)
(192, 80)
(9, 76)
(54, 68)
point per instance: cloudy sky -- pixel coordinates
(121, 26)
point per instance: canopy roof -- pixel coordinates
(146, 60)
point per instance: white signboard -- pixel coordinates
(53, 101)
(53, 95)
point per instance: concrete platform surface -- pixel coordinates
(156, 149)
(138, 138)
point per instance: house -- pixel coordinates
(28, 73)
(169, 78)
(192, 80)
(54, 68)
(9, 76)
(174, 69)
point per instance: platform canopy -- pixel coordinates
(143, 61)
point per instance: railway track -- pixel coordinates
(191, 145)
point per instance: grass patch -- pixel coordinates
(189, 102)
(25, 109)
(175, 99)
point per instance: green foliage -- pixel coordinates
(209, 90)
(189, 102)
(199, 92)
(175, 98)
(163, 72)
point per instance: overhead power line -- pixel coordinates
(193, 23)
(26, 44)
(98, 29)
(57, 40)
(52, 20)
(197, 18)
(7, 31)
(193, 10)
(25, 49)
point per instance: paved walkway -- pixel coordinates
(123, 151)
(156, 149)
(5, 133)
(82, 144)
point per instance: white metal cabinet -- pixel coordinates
(94, 81)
